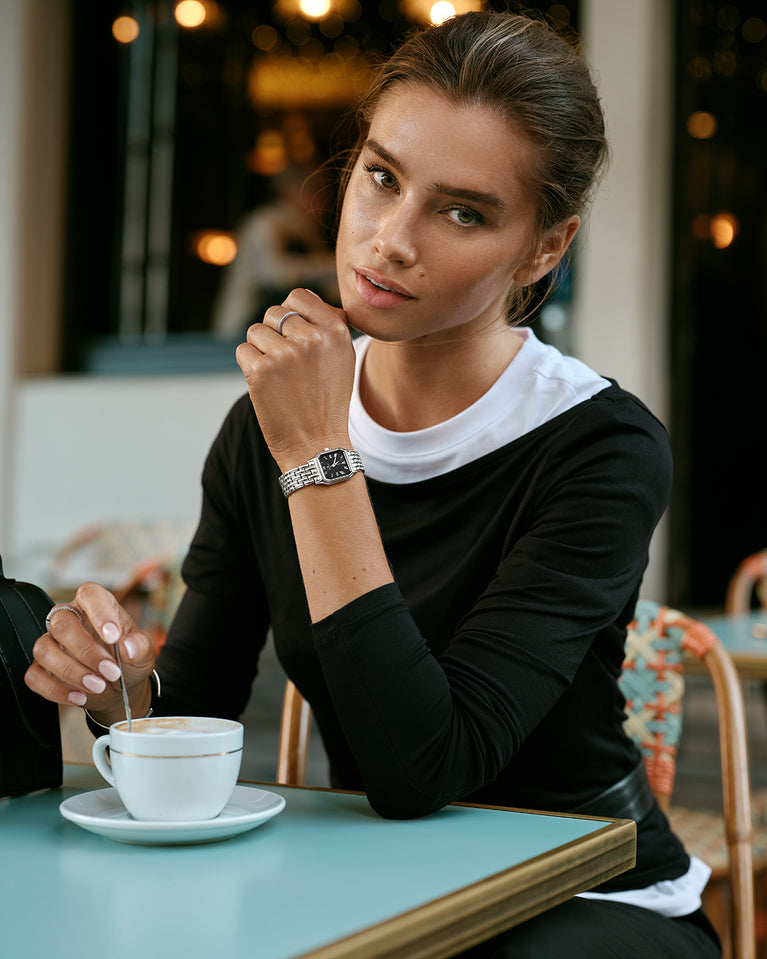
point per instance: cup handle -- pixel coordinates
(99, 753)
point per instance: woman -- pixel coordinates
(455, 614)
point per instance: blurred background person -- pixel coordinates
(280, 245)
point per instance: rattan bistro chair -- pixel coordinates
(747, 592)
(750, 575)
(653, 683)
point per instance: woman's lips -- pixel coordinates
(378, 291)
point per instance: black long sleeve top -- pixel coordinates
(488, 672)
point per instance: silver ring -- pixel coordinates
(285, 316)
(56, 609)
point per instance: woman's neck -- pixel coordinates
(413, 385)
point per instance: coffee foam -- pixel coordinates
(177, 725)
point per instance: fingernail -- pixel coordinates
(130, 648)
(109, 670)
(95, 683)
(77, 699)
(110, 632)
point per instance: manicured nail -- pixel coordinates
(95, 683)
(130, 648)
(110, 632)
(77, 699)
(109, 670)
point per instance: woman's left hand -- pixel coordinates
(300, 382)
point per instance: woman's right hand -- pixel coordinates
(74, 663)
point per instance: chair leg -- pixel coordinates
(760, 896)
(295, 726)
(716, 905)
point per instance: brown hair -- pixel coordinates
(524, 71)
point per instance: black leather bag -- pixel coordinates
(30, 736)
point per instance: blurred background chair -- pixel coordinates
(653, 683)
(747, 590)
(140, 562)
(748, 585)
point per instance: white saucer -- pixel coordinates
(102, 812)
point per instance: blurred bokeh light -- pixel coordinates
(125, 29)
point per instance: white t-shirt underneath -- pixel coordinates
(539, 384)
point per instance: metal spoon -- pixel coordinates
(122, 687)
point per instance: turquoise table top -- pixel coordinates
(745, 639)
(324, 871)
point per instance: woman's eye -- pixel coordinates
(464, 216)
(382, 178)
(385, 179)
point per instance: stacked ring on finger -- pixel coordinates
(284, 317)
(56, 610)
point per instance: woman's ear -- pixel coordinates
(551, 249)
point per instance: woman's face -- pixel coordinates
(436, 224)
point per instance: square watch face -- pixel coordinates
(334, 465)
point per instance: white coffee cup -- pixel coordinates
(172, 768)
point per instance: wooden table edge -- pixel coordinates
(455, 922)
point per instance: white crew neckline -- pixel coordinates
(538, 384)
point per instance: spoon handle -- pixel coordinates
(122, 687)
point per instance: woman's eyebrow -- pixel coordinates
(475, 196)
(375, 147)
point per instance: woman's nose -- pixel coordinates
(395, 237)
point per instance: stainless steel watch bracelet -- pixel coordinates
(312, 472)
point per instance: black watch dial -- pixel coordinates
(334, 465)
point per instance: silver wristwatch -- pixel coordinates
(330, 466)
